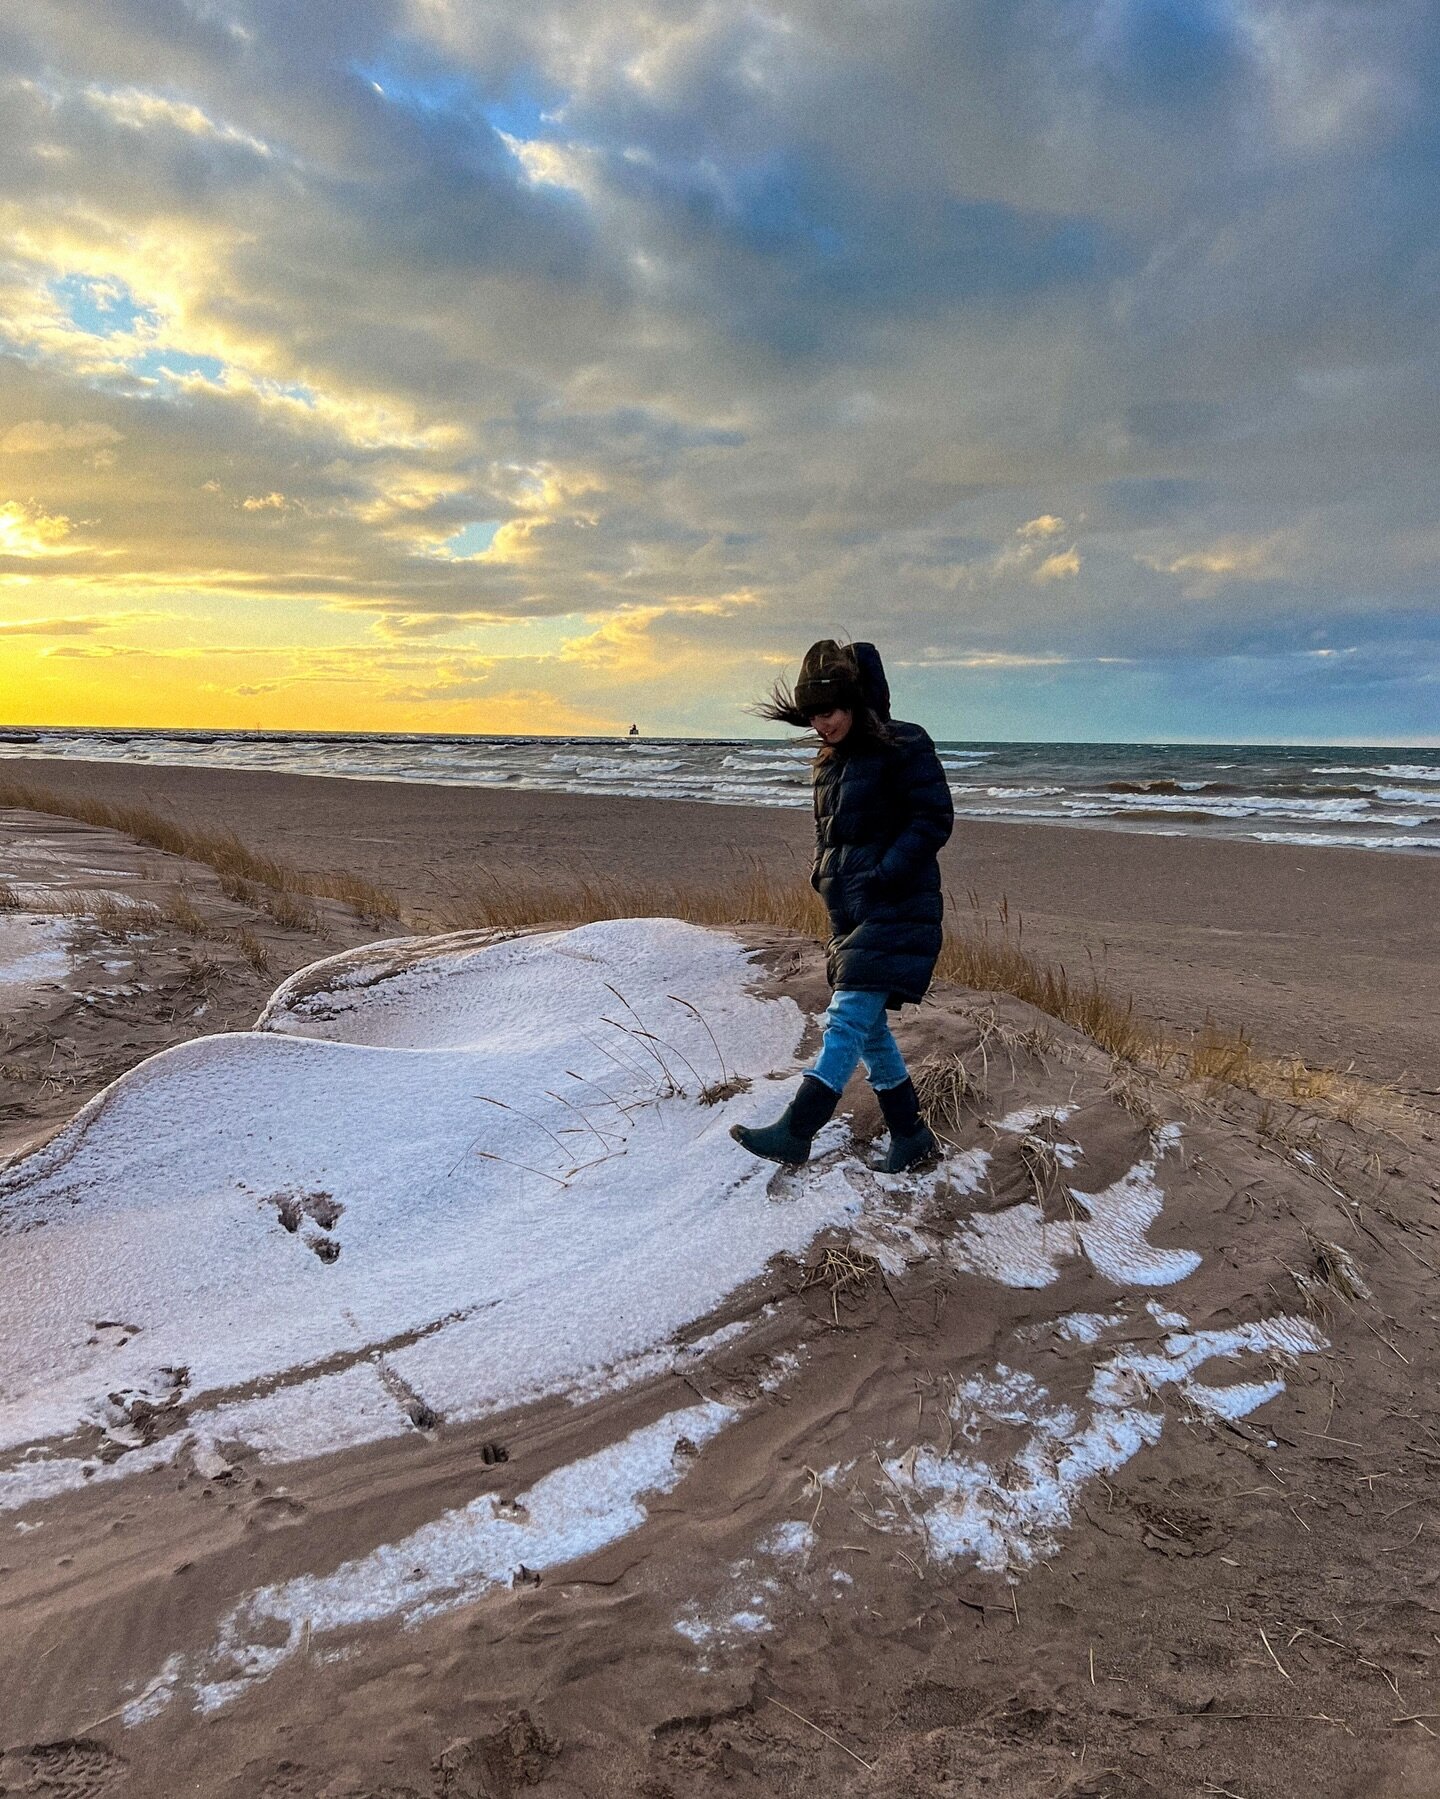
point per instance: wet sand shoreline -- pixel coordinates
(1327, 953)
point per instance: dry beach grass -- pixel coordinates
(245, 874)
(985, 953)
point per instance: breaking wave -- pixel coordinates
(1276, 794)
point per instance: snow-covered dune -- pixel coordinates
(440, 1179)
(444, 1178)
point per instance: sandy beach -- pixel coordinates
(1329, 954)
(413, 1392)
(483, 488)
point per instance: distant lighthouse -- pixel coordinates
(634, 731)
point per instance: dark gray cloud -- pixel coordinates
(749, 325)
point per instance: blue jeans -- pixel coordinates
(856, 1031)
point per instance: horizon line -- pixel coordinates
(622, 736)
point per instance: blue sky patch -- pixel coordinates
(1170, 51)
(521, 111)
(177, 364)
(517, 106)
(300, 391)
(473, 540)
(99, 305)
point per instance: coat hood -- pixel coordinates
(832, 674)
(872, 680)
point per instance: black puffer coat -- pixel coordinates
(882, 811)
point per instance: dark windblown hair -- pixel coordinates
(830, 670)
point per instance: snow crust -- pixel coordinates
(1021, 1247)
(505, 1141)
(34, 949)
(1025, 1118)
(1005, 1516)
(442, 1179)
(458, 1557)
(1085, 1327)
(753, 1586)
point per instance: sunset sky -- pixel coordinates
(542, 366)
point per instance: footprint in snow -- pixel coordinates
(317, 1207)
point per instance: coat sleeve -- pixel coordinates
(930, 814)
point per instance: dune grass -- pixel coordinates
(987, 955)
(1229, 1058)
(949, 1094)
(122, 917)
(246, 874)
(998, 962)
(753, 897)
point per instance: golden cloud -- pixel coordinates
(28, 531)
(406, 627)
(987, 659)
(56, 627)
(551, 165)
(1231, 556)
(1047, 525)
(39, 437)
(621, 644)
(1062, 566)
(1207, 570)
(141, 110)
(94, 652)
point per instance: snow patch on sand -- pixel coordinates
(752, 1586)
(896, 1206)
(1076, 1327)
(34, 950)
(1025, 1118)
(452, 1561)
(1021, 1247)
(671, 1359)
(1005, 1516)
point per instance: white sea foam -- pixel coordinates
(1330, 840)
(1031, 814)
(765, 760)
(1390, 771)
(1225, 806)
(1068, 784)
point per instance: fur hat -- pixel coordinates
(829, 677)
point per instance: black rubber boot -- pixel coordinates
(911, 1139)
(789, 1138)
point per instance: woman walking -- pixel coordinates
(882, 811)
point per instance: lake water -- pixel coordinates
(1375, 799)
